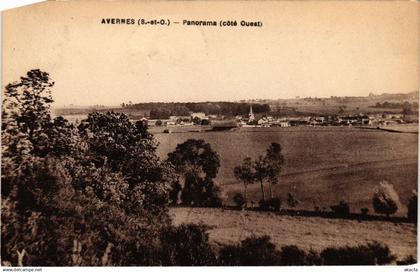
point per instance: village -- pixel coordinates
(220, 122)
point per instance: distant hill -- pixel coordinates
(343, 104)
(282, 107)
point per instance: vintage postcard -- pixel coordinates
(210, 133)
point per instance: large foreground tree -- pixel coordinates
(92, 195)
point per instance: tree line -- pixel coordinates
(164, 110)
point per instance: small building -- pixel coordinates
(200, 115)
(284, 123)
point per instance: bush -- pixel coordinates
(291, 200)
(239, 200)
(272, 204)
(186, 245)
(252, 251)
(364, 211)
(342, 209)
(381, 252)
(292, 255)
(260, 251)
(313, 258)
(230, 255)
(385, 200)
(407, 260)
(412, 207)
(370, 254)
(205, 122)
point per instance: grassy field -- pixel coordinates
(323, 165)
(228, 226)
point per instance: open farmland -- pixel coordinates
(228, 226)
(323, 165)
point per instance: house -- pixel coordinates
(284, 123)
(262, 121)
(199, 115)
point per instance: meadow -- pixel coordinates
(230, 226)
(323, 165)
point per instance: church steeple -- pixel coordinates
(251, 116)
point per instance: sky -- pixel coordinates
(304, 48)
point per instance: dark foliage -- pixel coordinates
(260, 251)
(292, 202)
(385, 200)
(164, 110)
(381, 252)
(407, 260)
(239, 200)
(405, 106)
(272, 204)
(198, 165)
(370, 254)
(205, 122)
(341, 209)
(230, 255)
(313, 258)
(364, 211)
(95, 195)
(292, 255)
(412, 208)
(251, 252)
(186, 245)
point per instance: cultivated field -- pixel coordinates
(323, 165)
(228, 226)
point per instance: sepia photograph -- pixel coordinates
(210, 133)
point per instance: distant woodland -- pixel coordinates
(164, 110)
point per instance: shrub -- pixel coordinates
(313, 258)
(381, 252)
(239, 200)
(346, 256)
(186, 245)
(292, 255)
(205, 122)
(230, 255)
(341, 209)
(364, 211)
(407, 260)
(385, 200)
(291, 200)
(370, 254)
(272, 204)
(252, 251)
(412, 207)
